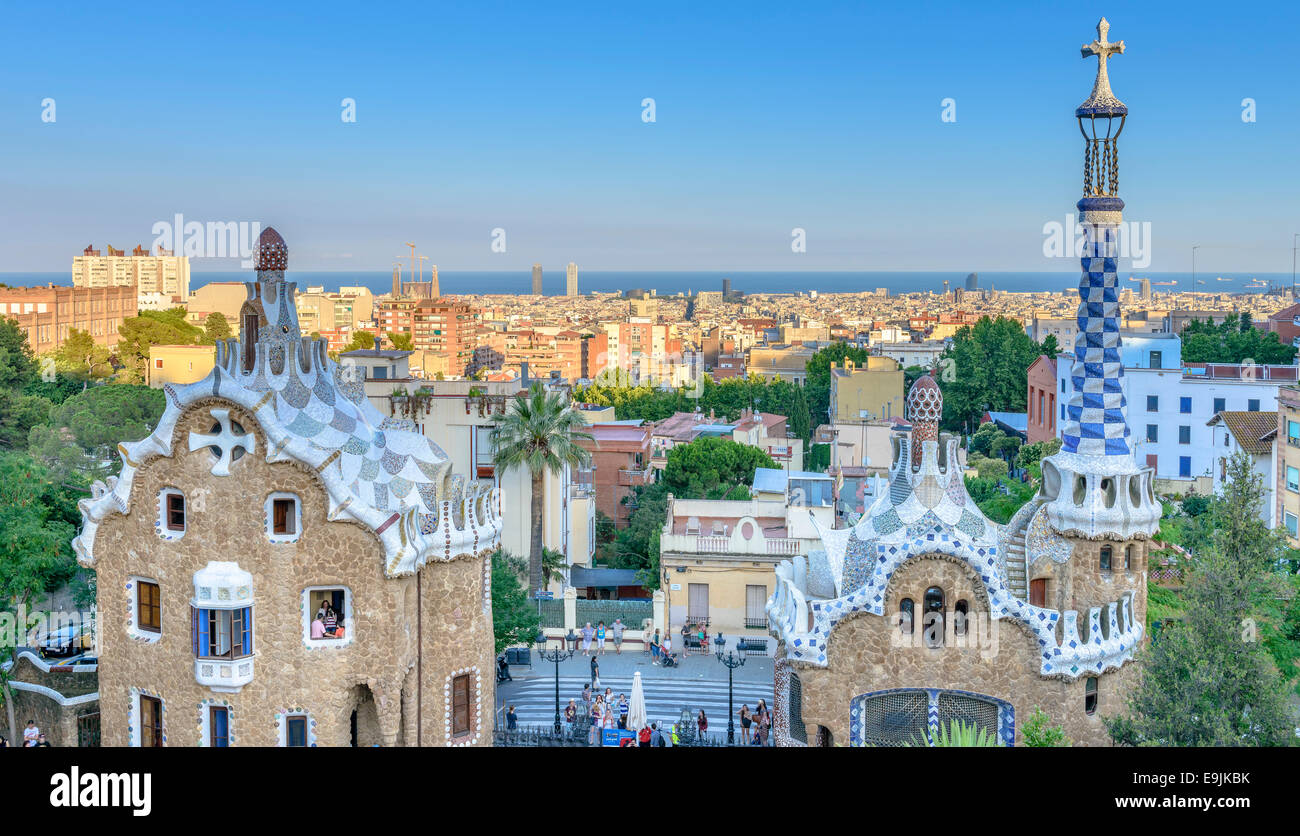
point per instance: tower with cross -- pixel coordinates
(1097, 487)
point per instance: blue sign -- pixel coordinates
(544, 595)
(611, 737)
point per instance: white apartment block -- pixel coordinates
(165, 273)
(1170, 406)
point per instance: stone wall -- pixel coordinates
(865, 655)
(1080, 583)
(226, 522)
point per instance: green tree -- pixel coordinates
(539, 432)
(18, 414)
(1207, 680)
(84, 431)
(984, 369)
(152, 328)
(37, 522)
(80, 357)
(17, 363)
(1031, 455)
(401, 340)
(1038, 731)
(711, 467)
(514, 618)
(1235, 340)
(363, 340)
(216, 327)
(636, 545)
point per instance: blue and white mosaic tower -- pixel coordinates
(1094, 485)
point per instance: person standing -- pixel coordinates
(745, 720)
(30, 734)
(643, 737)
(617, 630)
(586, 701)
(764, 722)
(512, 720)
(702, 723)
(595, 674)
(622, 711)
(667, 648)
(600, 639)
(571, 713)
(654, 648)
(587, 633)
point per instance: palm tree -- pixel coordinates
(539, 432)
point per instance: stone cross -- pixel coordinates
(1103, 49)
(226, 440)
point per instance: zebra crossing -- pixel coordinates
(534, 697)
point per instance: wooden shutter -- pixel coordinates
(460, 705)
(148, 609)
(175, 512)
(150, 721)
(218, 727)
(1038, 592)
(698, 601)
(755, 602)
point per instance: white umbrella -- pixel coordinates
(636, 714)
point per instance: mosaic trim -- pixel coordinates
(268, 518)
(781, 672)
(135, 634)
(1006, 712)
(308, 613)
(281, 726)
(476, 722)
(788, 611)
(205, 721)
(160, 511)
(133, 713)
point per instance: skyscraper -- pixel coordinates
(726, 289)
(537, 280)
(972, 281)
(571, 280)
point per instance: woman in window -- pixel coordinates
(331, 621)
(318, 625)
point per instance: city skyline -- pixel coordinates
(842, 136)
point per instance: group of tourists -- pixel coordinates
(33, 738)
(600, 633)
(599, 710)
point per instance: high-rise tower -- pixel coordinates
(537, 279)
(1095, 486)
(571, 280)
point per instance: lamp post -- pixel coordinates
(555, 657)
(732, 661)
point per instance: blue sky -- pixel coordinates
(527, 117)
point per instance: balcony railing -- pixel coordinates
(759, 623)
(632, 478)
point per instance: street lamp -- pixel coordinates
(732, 661)
(555, 657)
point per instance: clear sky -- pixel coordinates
(528, 117)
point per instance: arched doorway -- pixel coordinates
(912, 716)
(363, 721)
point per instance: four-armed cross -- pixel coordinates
(1103, 49)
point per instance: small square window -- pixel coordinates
(157, 363)
(1153, 403)
(1153, 433)
(1185, 435)
(1220, 404)
(1185, 466)
(174, 505)
(1185, 405)
(1252, 405)
(148, 607)
(1292, 523)
(283, 513)
(1106, 553)
(295, 730)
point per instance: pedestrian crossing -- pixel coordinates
(534, 698)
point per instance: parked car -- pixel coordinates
(68, 640)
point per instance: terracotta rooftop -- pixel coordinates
(1254, 431)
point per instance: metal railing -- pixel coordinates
(633, 612)
(759, 623)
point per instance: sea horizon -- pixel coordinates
(668, 283)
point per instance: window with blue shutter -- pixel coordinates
(219, 727)
(248, 630)
(223, 634)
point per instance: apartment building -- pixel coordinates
(179, 364)
(873, 390)
(163, 273)
(1255, 434)
(48, 314)
(1287, 445)
(1041, 402)
(620, 461)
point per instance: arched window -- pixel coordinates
(1128, 557)
(933, 624)
(960, 612)
(1105, 558)
(1090, 695)
(907, 612)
